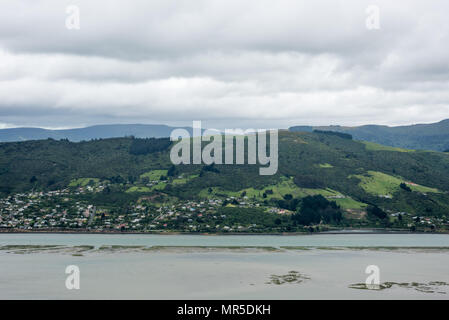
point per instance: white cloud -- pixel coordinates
(232, 63)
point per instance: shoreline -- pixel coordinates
(331, 232)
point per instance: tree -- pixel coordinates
(171, 172)
(145, 180)
(334, 133)
(314, 209)
(290, 204)
(288, 197)
(308, 181)
(405, 187)
(147, 146)
(376, 212)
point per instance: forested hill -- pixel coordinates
(434, 136)
(309, 163)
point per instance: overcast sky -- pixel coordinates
(230, 63)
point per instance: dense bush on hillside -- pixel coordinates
(309, 181)
(375, 211)
(150, 145)
(314, 209)
(405, 187)
(334, 133)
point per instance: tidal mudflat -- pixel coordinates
(270, 267)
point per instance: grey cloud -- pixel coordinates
(230, 62)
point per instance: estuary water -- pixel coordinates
(351, 240)
(132, 266)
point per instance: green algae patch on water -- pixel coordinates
(188, 249)
(306, 248)
(120, 248)
(27, 249)
(81, 249)
(440, 287)
(84, 248)
(303, 248)
(402, 249)
(22, 249)
(78, 251)
(290, 278)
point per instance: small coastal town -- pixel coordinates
(57, 210)
(69, 209)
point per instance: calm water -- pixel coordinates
(222, 274)
(352, 240)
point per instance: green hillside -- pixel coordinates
(354, 175)
(432, 136)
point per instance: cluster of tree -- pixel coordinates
(209, 168)
(376, 212)
(235, 215)
(335, 133)
(405, 187)
(316, 209)
(266, 193)
(171, 172)
(116, 179)
(288, 202)
(308, 181)
(150, 145)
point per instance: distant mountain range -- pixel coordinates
(89, 133)
(434, 136)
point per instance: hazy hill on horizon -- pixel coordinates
(433, 136)
(89, 133)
